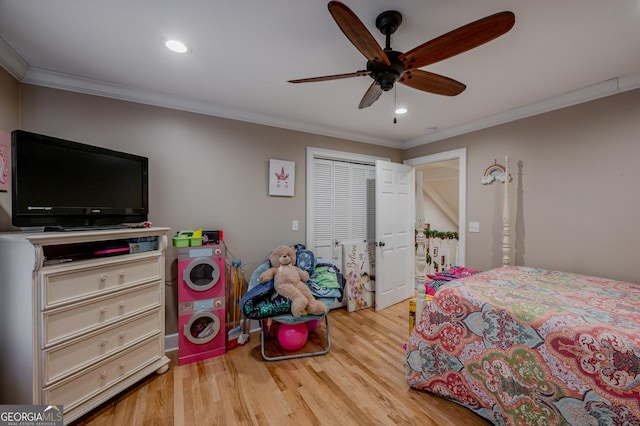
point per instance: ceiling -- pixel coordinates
(243, 52)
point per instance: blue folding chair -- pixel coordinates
(261, 302)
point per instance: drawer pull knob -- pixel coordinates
(123, 304)
(104, 310)
(104, 374)
(123, 335)
(103, 342)
(104, 277)
(123, 365)
(123, 273)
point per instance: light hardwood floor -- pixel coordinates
(361, 381)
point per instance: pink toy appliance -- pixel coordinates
(201, 303)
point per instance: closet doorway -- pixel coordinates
(340, 201)
(346, 195)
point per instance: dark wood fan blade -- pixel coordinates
(372, 94)
(459, 40)
(432, 83)
(357, 33)
(331, 77)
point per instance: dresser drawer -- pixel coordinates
(79, 353)
(60, 286)
(89, 383)
(70, 321)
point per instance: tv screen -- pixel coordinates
(60, 183)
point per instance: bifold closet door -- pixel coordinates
(343, 206)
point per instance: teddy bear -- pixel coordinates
(289, 281)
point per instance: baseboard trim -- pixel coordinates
(171, 342)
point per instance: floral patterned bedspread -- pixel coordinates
(524, 346)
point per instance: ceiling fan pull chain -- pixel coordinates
(395, 106)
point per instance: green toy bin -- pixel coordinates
(182, 239)
(186, 239)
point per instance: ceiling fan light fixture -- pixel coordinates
(387, 66)
(401, 110)
(177, 46)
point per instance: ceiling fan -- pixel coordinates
(388, 66)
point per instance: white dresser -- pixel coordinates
(82, 318)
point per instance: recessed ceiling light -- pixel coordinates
(176, 46)
(401, 110)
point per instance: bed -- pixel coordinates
(527, 346)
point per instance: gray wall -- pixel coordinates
(204, 171)
(9, 120)
(574, 197)
(575, 193)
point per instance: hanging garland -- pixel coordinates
(443, 235)
(432, 233)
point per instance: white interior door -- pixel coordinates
(395, 211)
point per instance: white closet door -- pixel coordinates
(342, 203)
(322, 208)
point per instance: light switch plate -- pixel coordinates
(294, 225)
(474, 226)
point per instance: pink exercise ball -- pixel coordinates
(292, 336)
(312, 325)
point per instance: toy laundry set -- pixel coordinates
(209, 290)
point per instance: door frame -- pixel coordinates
(460, 155)
(328, 154)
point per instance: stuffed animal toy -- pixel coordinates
(289, 281)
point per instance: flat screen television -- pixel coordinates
(60, 184)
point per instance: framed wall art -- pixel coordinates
(281, 178)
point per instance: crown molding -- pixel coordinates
(12, 62)
(21, 71)
(575, 97)
(45, 78)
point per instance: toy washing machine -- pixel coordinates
(201, 303)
